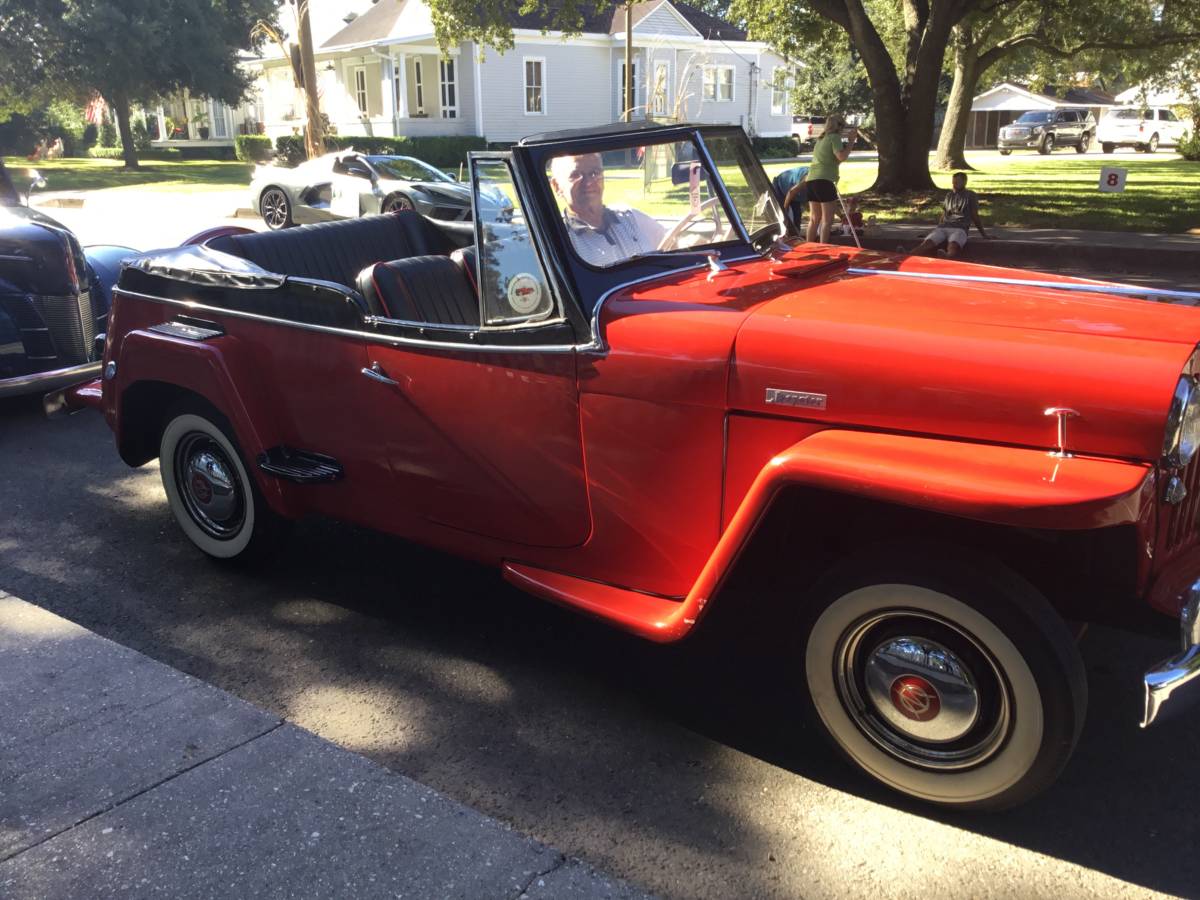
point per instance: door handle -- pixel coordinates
(376, 373)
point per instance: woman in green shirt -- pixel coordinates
(829, 153)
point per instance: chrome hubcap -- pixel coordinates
(923, 689)
(208, 483)
(274, 208)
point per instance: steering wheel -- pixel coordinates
(712, 204)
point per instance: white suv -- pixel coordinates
(1142, 127)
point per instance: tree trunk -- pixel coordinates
(314, 136)
(120, 106)
(951, 150)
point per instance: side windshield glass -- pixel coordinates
(513, 288)
(746, 183)
(640, 200)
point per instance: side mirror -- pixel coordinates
(681, 172)
(36, 182)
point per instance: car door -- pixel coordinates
(351, 179)
(477, 393)
(1171, 128)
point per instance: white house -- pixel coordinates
(995, 108)
(382, 74)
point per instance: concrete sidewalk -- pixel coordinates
(122, 777)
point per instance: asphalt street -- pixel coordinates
(687, 770)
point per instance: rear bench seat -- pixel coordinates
(338, 251)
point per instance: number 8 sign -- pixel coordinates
(1112, 179)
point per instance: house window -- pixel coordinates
(662, 81)
(621, 97)
(419, 85)
(449, 89)
(718, 83)
(779, 92)
(360, 89)
(397, 87)
(535, 98)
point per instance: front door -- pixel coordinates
(481, 419)
(351, 179)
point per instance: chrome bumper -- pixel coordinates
(41, 382)
(1172, 674)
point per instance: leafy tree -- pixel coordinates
(837, 83)
(130, 51)
(1061, 30)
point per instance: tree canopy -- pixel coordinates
(130, 51)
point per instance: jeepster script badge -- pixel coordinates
(796, 398)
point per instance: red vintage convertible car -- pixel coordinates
(632, 380)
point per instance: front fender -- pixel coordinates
(1001, 485)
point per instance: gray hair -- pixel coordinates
(834, 123)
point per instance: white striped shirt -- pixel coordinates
(624, 233)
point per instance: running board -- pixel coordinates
(300, 466)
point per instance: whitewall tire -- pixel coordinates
(208, 488)
(955, 685)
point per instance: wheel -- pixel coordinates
(275, 208)
(210, 493)
(948, 678)
(1153, 145)
(395, 203)
(1047, 145)
(1005, 152)
(1084, 143)
(1107, 147)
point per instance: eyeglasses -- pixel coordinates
(578, 176)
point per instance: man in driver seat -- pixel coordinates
(601, 235)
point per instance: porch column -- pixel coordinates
(162, 123)
(402, 104)
(388, 93)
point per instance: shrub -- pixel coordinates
(253, 147)
(774, 148)
(290, 149)
(91, 134)
(108, 133)
(1189, 146)
(118, 153)
(141, 137)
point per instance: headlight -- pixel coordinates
(1038, 129)
(1183, 425)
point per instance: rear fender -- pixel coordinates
(1001, 485)
(206, 369)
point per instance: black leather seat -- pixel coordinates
(337, 251)
(430, 289)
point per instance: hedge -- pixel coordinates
(444, 152)
(775, 147)
(253, 147)
(165, 154)
(1189, 147)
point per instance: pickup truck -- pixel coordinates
(630, 382)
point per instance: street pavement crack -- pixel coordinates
(559, 863)
(110, 807)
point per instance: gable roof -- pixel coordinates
(1075, 96)
(379, 23)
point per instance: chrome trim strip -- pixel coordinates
(48, 381)
(15, 257)
(1117, 289)
(365, 336)
(1170, 675)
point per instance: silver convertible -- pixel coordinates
(348, 184)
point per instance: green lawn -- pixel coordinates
(102, 174)
(1162, 192)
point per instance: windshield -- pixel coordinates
(1130, 114)
(1034, 118)
(405, 168)
(658, 198)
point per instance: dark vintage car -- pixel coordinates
(54, 299)
(915, 477)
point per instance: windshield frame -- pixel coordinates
(686, 256)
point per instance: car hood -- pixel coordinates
(962, 359)
(17, 216)
(443, 191)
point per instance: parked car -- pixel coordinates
(930, 466)
(347, 184)
(54, 297)
(1045, 130)
(806, 129)
(1144, 128)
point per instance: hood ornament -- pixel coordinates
(1062, 413)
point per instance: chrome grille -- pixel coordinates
(71, 326)
(1181, 525)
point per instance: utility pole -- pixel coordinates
(314, 141)
(628, 117)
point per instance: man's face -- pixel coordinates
(580, 180)
(958, 182)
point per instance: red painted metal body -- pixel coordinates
(625, 479)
